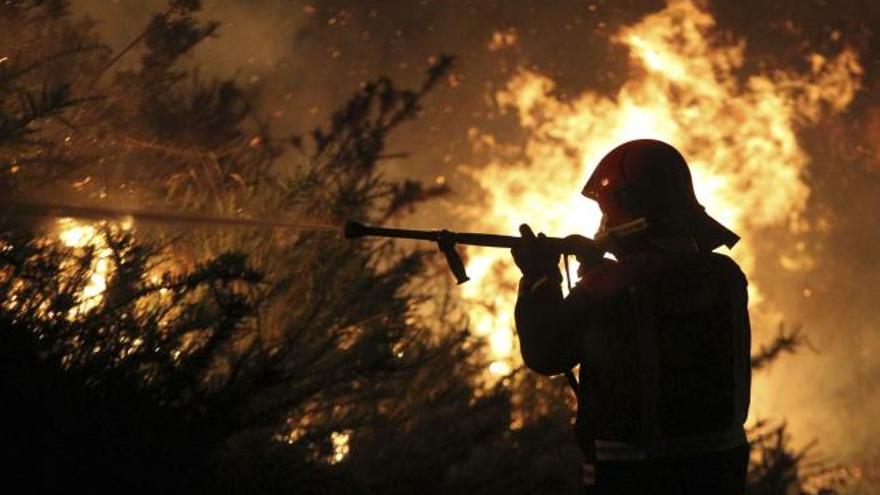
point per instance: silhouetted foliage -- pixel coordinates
(200, 367)
(783, 343)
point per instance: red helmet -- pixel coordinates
(650, 179)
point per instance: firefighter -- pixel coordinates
(661, 334)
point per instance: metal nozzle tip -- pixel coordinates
(353, 229)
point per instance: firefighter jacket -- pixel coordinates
(663, 344)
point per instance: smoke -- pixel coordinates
(305, 58)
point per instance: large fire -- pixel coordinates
(738, 134)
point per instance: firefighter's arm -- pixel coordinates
(547, 324)
(545, 321)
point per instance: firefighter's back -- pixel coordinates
(666, 369)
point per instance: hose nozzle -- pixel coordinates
(353, 230)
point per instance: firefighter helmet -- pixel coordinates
(649, 178)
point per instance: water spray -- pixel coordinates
(91, 212)
(581, 247)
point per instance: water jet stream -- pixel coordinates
(104, 212)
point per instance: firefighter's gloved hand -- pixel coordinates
(534, 256)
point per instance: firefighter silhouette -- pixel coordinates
(661, 334)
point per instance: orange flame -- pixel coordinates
(739, 137)
(75, 234)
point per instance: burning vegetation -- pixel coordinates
(738, 131)
(146, 355)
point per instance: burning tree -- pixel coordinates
(196, 364)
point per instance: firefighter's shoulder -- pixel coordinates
(726, 267)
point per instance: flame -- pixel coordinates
(79, 235)
(738, 134)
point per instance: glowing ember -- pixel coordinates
(502, 39)
(339, 439)
(737, 134)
